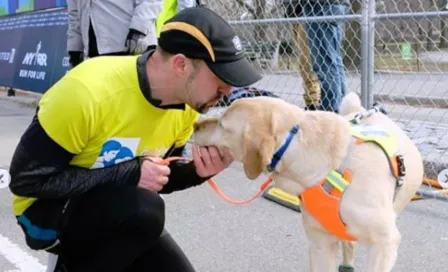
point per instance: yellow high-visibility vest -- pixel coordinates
(169, 10)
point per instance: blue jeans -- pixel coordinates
(325, 41)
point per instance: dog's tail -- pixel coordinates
(350, 103)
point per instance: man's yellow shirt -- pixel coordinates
(110, 120)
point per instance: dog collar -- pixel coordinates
(281, 151)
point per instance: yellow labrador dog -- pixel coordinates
(353, 179)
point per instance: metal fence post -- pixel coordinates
(367, 51)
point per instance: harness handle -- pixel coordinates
(377, 107)
(215, 186)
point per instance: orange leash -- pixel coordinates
(221, 194)
(218, 190)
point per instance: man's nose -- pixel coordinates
(226, 90)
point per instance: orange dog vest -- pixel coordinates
(322, 201)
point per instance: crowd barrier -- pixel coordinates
(33, 49)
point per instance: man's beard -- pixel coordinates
(199, 107)
(204, 107)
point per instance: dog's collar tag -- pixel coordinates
(279, 154)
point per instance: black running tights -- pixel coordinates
(120, 229)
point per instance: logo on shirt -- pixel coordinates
(116, 150)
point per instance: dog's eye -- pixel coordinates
(225, 128)
(220, 124)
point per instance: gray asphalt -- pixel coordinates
(261, 236)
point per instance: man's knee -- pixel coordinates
(150, 215)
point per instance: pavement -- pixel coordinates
(261, 236)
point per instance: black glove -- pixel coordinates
(132, 42)
(75, 58)
(200, 4)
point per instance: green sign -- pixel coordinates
(406, 51)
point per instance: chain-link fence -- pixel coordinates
(393, 52)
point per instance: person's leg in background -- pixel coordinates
(325, 40)
(311, 83)
(102, 234)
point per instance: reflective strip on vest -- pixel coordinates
(367, 133)
(337, 181)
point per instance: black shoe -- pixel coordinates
(311, 107)
(343, 268)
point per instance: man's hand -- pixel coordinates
(132, 42)
(75, 58)
(209, 161)
(153, 175)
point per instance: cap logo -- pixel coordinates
(237, 43)
(193, 31)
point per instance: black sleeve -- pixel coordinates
(183, 174)
(40, 168)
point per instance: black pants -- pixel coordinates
(120, 229)
(93, 46)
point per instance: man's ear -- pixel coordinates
(179, 62)
(258, 149)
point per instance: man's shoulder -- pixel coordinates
(90, 84)
(106, 67)
(99, 77)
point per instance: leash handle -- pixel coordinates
(216, 188)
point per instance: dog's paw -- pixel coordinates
(346, 268)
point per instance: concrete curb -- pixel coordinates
(435, 102)
(397, 72)
(22, 102)
(23, 98)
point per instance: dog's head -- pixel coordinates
(248, 128)
(254, 128)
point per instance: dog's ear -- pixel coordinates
(258, 145)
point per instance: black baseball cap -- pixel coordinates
(200, 33)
